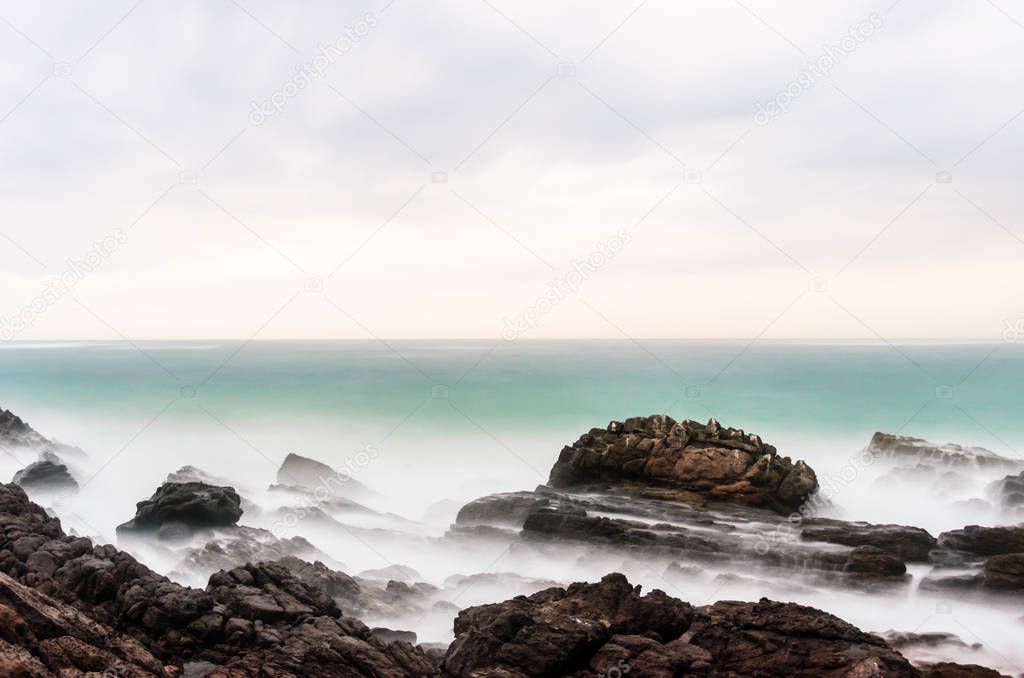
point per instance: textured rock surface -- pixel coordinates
(189, 504)
(254, 620)
(720, 463)
(587, 630)
(1005, 572)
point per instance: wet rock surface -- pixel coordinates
(719, 463)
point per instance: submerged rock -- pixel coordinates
(720, 463)
(189, 505)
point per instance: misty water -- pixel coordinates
(428, 426)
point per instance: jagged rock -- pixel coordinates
(391, 635)
(46, 474)
(656, 451)
(191, 505)
(908, 543)
(870, 561)
(1005, 572)
(587, 630)
(1008, 493)
(906, 448)
(254, 620)
(984, 541)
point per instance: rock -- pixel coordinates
(319, 478)
(509, 508)
(870, 561)
(1005, 572)
(590, 630)
(16, 433)
(557, 631)
(658, 452)
(46, 474)
(390, 635)
(1008, 493)
(259, 619)
(234, 546)
(951, 670)
(984, 541)
(908, 543)
(905, 448)
(192, 505)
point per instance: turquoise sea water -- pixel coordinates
(969, 393)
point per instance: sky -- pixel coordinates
(527, 170)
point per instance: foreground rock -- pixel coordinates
(588, 630)
(187, 506)
(718, 463)
(253, 620)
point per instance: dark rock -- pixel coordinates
(951, 670)
(189, 504)
(1005, 572)
(656, 451)
(16, 433)
(46, 474)
(985, 541)
(870, 561)
(587, 630)
(254, 620)
(510, 508)
(908, 543)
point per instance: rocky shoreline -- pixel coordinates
(693, 494)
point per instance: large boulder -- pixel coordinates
(312, 476)
(608, 628)
(658, 452)
(190, 505)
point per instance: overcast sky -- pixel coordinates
(453, 159)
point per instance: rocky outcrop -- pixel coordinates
(507, 508)
(589, 630)
(253, 620)
(871, 561)
(907, 543)
(187, 506)
(984, 541)
(719, 463)
(231, 547)
(906, 449)
(1008, 493)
